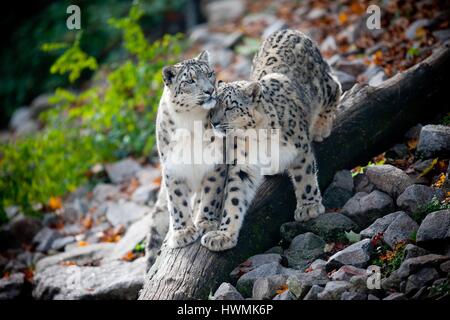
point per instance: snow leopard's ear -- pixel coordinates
(203, 56)
(253, 89)
(169, 74)
(220, 84)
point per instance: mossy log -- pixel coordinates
(370, 120)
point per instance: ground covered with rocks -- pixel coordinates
(388, 220)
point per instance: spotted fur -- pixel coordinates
(291, 89)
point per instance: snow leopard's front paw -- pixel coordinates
(219, 240)
(204, 226)
(322, 128)
(306, 212)
(182, 237)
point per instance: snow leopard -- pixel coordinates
(190, 191)
(293, 90)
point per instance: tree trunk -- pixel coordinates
(370, 119)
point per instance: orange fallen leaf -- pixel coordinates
(87, 222)
(129, 256)
(282, 289)
(157, 181)
(55, 203)
(29, 274)
(68, 263)
(343, 18)
(83, 243)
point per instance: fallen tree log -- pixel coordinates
(370, 119)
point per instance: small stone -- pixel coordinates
(364, 208)
(253, 263)
(353, 296)
(345, 273)
(380, 225)
(334, 290)
(411, 265)
(329, 44)
(290, 230)
(357, 255)
(434, 228)
(125, 212)
(143, 193)
(399, 151)
(286, 295)
(395, 296)
(401, 229)
(370, 73)
(445, 267)
(318, 264)
(277, 25)
(60, 243)
(265, 288)
(122, 170)
(245, 283)
(362, 183)
(422, 165)
(414, 132)
(352, 67)
(12, 287)
(415, 196)
(434, 141)
(304, 249)
(45, 238)
(389, 179)
(222, 11)
(24, 229)
(227, 292)
(377, 79)
(316, 13)
(313, 292)
(413, 251)
(103, 192)
(420, 279)
(411, 31)
(346, 80)
(372, 297)
(442, 35)
(339, 191)
(301, 282)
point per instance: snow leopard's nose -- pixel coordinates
(209, 91)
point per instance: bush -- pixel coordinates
(111, 119)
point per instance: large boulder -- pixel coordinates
(304, 249)
(114, 280)
(434, 228)
(365, 208)
(415, 196)
(389, 179)
(434, 141)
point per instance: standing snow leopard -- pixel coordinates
(191, 192)
(293, 90)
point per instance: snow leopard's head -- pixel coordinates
(191, 84)
(236, 108)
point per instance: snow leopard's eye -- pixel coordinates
(190, 81)
(211, 74)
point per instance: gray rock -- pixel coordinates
(265, 288)
(370, 73)
(122, 170)
(434, 228)
(413, 251)
(276, 249)
(347, 81)
(357, 255)
(24, 229)
(372, 297)
(410, 32)
(396, 296)
(227, 292)
(421, 165)
(286, 295)
(277, 25)
(434, 141)
(411, 265)
(377, 79)
(115, 280)
(353, 296)
(313, 292)
(442, 35)
(339, 191)
(79, 255)
(380, 225)
(222, 11)
(220, 57)
(415, 196)
(304, 249)
(366, 208)
(334, 290)
(125, 212)
(420, 279)
(389, 179)
(445, 267)
(318, 264)
(399, 151)
(45, 238)
(345, 273)
(103, 192)
(352, 67)
(60, 243)
(362, 183)
(143, 193)
(402, 228)
(11, 287)
(245, 283)
(329, 44)
(316, 13)
(253, 263)
(414, 132)
(300, 283)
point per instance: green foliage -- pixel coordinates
(111, 119)
(432, 206)
(389, 260)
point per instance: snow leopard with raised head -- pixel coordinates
(292, 89)
(190, 191)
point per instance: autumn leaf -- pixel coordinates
(83, 243)
(68, 263)
(282, 289)
(129, 256)
(157, 181)
(87, 222)
(429, 168)
(55, 203)
(343, 18)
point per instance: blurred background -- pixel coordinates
(77, 107)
